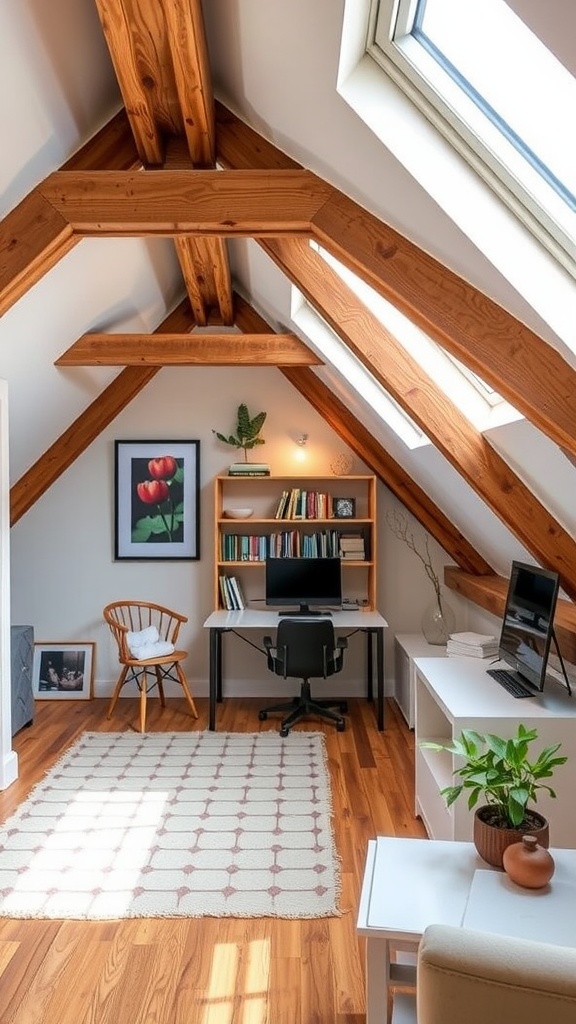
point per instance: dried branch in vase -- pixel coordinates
(398, 523)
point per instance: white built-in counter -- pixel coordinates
(452, 694)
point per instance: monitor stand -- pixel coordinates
(305, 610)
(561, 660)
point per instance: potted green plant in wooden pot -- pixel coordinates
(502, 772)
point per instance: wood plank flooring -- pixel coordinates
(208, 970)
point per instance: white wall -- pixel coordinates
(63, 572)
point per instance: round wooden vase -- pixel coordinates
(490, 840)
(528, 864)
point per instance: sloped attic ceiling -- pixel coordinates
(485, 501)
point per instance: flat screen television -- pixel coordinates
(311, 584)
(528, 623)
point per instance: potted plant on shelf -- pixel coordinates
(247, 431)
(503, 774)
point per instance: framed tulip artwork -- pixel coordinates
(157, 500)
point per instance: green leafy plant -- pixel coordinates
(247, 431)
(501, 771)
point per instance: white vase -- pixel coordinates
(438, 621)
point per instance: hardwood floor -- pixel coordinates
(209, 970)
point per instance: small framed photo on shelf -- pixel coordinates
(63, 671)
(157, 500)
(344, 508)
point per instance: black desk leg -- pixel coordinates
(369, 666)
(215, 674)
(380, 676)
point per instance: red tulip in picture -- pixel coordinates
(165, 492)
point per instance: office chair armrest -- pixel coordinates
(342, 643)
(270, 652)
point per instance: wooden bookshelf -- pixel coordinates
(303, 524)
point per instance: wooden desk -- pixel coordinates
(372, 624)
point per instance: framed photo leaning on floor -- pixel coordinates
(63, 671)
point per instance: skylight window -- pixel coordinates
(498, 94)
(327, 343)
(483, 406)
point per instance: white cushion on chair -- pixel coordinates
(144, 636)
(156, 650)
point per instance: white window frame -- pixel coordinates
(468, 129)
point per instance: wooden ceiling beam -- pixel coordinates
(99, 414)
(160, 55)
(34, 236)
(487, 339)
(206, 272)
(164, 349)
(187, 46)
(220, 203)
(136, 70)
(374, 455)
(450, 431)
(60, 455)
(361, 441)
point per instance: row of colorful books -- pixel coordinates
(299, 504)
(238, 547)
(231, 594)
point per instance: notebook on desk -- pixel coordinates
(496, 904)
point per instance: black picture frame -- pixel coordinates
(344, 508)
(156, 500)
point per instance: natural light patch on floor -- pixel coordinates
(92, 856)
(238, 986)
(473, 397)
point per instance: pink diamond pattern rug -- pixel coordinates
(175, 825)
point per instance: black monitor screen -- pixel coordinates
(304, 582)
(528, 621)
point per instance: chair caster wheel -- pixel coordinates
(341, 725)
(262, 715)
(284, 732)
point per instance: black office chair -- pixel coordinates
(305, 650)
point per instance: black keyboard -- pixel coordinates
(510, 683)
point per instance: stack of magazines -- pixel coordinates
(473, 645)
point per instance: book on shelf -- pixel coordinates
(282, 505)
(298, 503)
(231, 594)
(352, 543)
(249, 469)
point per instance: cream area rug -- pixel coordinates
(175, 825)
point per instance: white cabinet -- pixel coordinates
(457, 693)
(408, 646)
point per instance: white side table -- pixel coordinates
(411, 883)
(408, 646)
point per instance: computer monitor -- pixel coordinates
(527, 626)
(309, 583)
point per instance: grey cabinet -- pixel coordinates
(22, 652)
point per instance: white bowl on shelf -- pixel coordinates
(238, 513)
